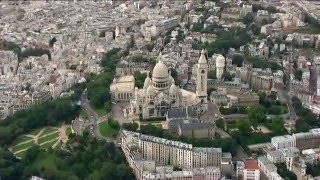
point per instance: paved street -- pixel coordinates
(94, 119)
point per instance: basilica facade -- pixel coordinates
(160, 93)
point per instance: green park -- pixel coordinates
(47, 137)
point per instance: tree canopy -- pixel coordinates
(237, 60)
(84, 158)
(98, 87)
(49, 113)
(248, 19)
(298, 75)
(256, 115)
(284, 172)
(139, 79)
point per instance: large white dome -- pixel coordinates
(160, 70)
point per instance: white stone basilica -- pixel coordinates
(160, 92)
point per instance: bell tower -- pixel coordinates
(202, 73)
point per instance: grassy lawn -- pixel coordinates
(107, 131)
(49, 130)
(68, 131)
(42, 139)
(46, 160)
(48, 138)
(20, 154)
(48, 145)
(22, 146)
(21, 139)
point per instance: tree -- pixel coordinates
(227, 76)
(130, 126)
(237, 60)
(256, 115)
(244, 127)
(313, 169)
(122, 170)
(301, 126)
(113, 123)
(298, 75)
(197, 27)
(275, 110)
(248, 18)
(284, 172)
(31, 154)
(139, 78)
(277, 125)
(52, 41)
(108, 170)
(10, 166)
(220, 123)
(174, 74)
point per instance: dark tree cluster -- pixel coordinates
(313, 169)
(227, 76)
(130, 126)
(284, 172)
(10, 46)
(84, 158)
(306, 118)
(248, 19)
(46, 114)
(10, 166)
(263, 63)
(233, 38)
(62, 110)
(298, 74)
(98, 87)
(233, 110)
(272, 107)
(139, 79)
(34, 52)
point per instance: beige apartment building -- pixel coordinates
(174, 153)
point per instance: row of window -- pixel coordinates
(161, 85)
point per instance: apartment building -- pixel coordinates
(155, 158)
(280, 142)
(167, 152)
(307, 140)
(251, 170)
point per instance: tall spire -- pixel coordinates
(160, 57)
(202, 58)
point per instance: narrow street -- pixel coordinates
(94, 119)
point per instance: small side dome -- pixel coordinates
(173, 89)
(151, 91)
(202, 59)
(171, 79)
(146, 82)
